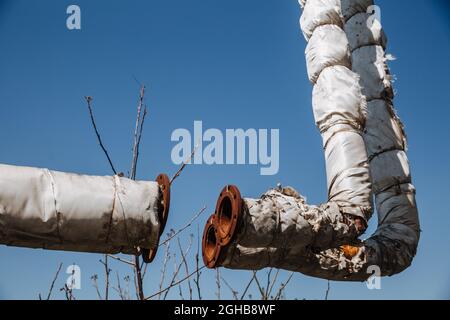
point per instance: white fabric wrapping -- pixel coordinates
(384, 131)
(63, 211)
(372, 34)
(327, 47)
(393, 246)
(351, 7)
(281, 219)
(317, 13)
(370, 63)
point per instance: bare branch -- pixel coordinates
(248, 285)
(140, 118)
(180, 289)
(177, 271)
(269, 280)
(233, 292)
(328, 290)
(185, 163)
(170, 237)
(164, 268)
(175, 284)
(140, 286)
(283, 287)
(183, 256)
(260, 288)
(122, 260)
(119, 288)
(137, 131)
(197, 280)
(69, 290)
(218, 283)
(53, 282)
(269, 292)
(107, 272)
(94, 279)
(145, 270)
(89, 100)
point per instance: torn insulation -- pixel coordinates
(352, 105)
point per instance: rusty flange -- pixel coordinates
(210, 245)
(228, 214)
(163, 213)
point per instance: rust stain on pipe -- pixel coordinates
(349, 251)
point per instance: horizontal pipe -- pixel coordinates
(53, 210)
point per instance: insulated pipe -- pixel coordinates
(46, 209)
(396, 239)
(281, 219)
(394, 244)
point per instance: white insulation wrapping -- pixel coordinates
(281, 221)
(340, 112)
(46, 209)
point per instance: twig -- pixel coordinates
(127, 291)
(53, 282)
(218, 283)
(173, 235)
(328, 290)
(269, 280)
(107, 272)
(140, 287)
(135, 158)
(137, 131)
(260, 288)
(164, 268)
(248, 285)
(145, 270)
(180, 289)
(69, 291)
(89, 100)
(197, 280)
(174, 284)
(269, 293)
(283, 286)
(185, 267)
(137, 140)
(185, 163)
(119, 287)
(177, 270)
(122, 260)
(233, 292)
(94, 279)
(135, 284)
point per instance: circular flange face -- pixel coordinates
(210, 246)
(228, 213)
(148, 255)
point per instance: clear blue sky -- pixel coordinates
(231, 64)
